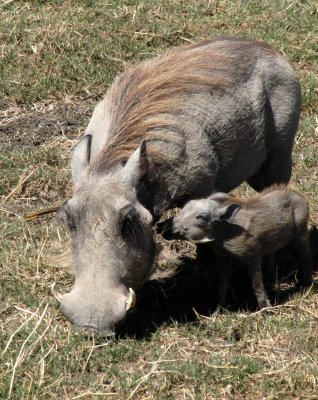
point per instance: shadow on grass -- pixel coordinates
(192, 290)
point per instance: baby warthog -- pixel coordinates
(247, 229)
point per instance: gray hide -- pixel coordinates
(246, 229)
(213, 137)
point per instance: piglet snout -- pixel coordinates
(165, 229)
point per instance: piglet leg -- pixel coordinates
(221, 267)
(223, 272)
(255, 271)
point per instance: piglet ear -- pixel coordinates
(137, 165)
(227, 213)
(81, 157)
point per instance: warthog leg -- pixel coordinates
(300, 248)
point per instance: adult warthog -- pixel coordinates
(201, 118)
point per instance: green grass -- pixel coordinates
(212, 364)
(56, 59)
(52, 48)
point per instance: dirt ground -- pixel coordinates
(33, 126)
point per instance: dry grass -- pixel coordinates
(56, 59)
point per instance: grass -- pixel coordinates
(56, 60)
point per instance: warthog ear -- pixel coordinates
(81, 157)
(137, 165)
(227, 213)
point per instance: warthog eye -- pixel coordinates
(130, 223)
(66, 217)
(71, 224)
(203, 218)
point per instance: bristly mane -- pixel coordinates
(256, 196)
(144, 101)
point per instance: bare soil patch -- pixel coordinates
(42, 123)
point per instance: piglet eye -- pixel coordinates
(203, 218)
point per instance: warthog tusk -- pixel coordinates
(131, 301)
(55, 293)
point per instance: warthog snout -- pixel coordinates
(90, 315)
